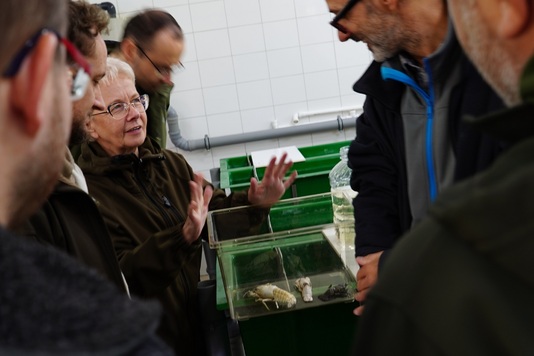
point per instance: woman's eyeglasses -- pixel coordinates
(79, 68)
(119, 111)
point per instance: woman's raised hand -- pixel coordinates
(272, 186)
(197, 211)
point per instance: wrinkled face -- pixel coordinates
(164, 54)
(493, 62)
(92, 100)
(383, 32)
(119, 136)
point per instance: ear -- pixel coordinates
(29, 91)
(512, 17)
(90, 129)
(128, 49)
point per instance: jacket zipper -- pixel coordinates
(390, 73)
(173, 209)
(166, 217)
(168, 221)
(429, 132)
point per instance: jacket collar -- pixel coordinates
(66, 175)
(511, 125)
(526, 83)
(96, 161)
(516, 123)
(390, 92)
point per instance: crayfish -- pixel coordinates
(271, 293)
(304, 286)
(336, 291)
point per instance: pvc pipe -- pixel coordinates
(174, 130)
(207, 143)
(299, 115)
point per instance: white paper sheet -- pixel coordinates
(263, 157)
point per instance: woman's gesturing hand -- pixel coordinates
(272, 186)
(197, 211)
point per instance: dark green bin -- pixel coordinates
(294, 229)
(236, 172)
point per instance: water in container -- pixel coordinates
(342, 196)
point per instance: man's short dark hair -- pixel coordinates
(19, 20)
(143, 27)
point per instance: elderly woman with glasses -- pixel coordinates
(156, 207)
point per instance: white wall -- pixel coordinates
(249, 62)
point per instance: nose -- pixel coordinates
(343, 37)
(133, 113)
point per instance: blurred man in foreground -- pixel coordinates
(49, 304)
(462, 282)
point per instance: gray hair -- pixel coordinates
(115, 68)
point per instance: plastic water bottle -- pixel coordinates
(342, 196)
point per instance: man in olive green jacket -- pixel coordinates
(462, 282)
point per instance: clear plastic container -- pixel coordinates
(342, 196)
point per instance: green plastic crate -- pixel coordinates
(236, 172)
(236, 179)
(322, 150)
(296, 247)
(234, 162)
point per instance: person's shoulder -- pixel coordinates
(58, 305)
(176, 159)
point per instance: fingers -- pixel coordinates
(196, 187)
(208, 193)
(360, 274)
(361, 260)
(364, 284)
(372, 258)
(361, 295)
(358, 311)
(290, 180)
(365, 260)
(253, 185)
(281, 168)
(200, 197)
(270, 167)
(278, 170)
(365, 277)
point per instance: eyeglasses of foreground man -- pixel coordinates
(341, 14)
(79, 67)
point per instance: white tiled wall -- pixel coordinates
(251, 62)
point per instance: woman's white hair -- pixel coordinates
(115, 68)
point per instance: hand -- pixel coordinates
(197, 210)
(272, 187)
(366, 277)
